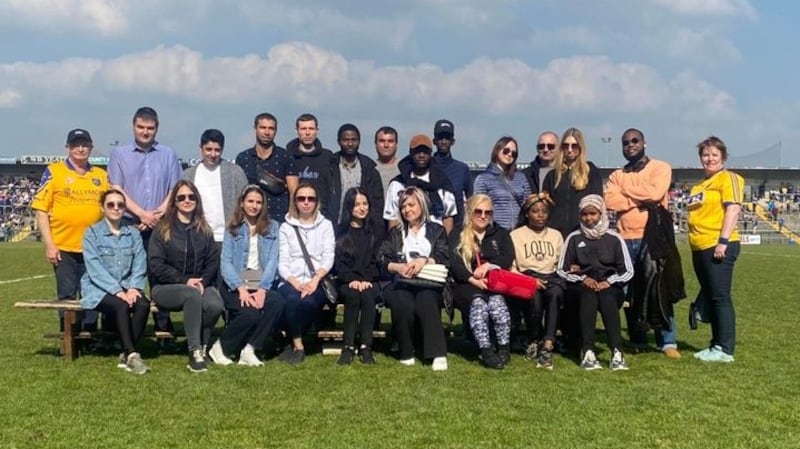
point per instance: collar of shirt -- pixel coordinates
(344, 164)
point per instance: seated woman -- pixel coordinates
(116, 267)
(479, 247)
(596, 264)
(537, 249)
(305, 230)
(184, 261)
(249, 267)
(357, 272)
(409, 246)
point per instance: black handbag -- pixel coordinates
(327, 284)
(271, 183)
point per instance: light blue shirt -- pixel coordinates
(147, 177)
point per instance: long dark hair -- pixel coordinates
(262, 221)
(344, 241)
(198, 220)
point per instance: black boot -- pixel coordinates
(504, 354)
(490, 359)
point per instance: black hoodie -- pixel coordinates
(438, 180)
(314, 167)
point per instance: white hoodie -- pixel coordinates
(320, 242)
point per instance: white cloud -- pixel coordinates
(107, 17)
(701, 48)
(10, 98)
(700, 98)
(724, 8)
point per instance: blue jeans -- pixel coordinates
(715, 278)
(665, 338)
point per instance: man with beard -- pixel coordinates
(416, 171)
(352, 169)
(542, 164)
(311, 160)
(634, 192)
(269, 166)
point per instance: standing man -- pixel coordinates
(145, 170)
(457, 172)
(219, 182)
(68, 202)
(311, 160)
(269, 166)
(542, 164)
(386, 149)
(633, 192)
(352, 169)
(416, 170)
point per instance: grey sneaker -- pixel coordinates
(618, 362)
(197, 364)
(135, 364)
(544, 359)
(122, 361)
(532, 351)
(589, 361)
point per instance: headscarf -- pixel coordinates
(595, 201)
(541, 197)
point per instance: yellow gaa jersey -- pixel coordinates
(72, 201)
(706, 206)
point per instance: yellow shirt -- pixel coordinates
(706, 206)
(72, 200)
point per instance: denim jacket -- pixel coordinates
(236, 249)
(113, 262)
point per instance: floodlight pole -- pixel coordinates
(607, 141)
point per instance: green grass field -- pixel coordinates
(46, 402)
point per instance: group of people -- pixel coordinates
(270, 239)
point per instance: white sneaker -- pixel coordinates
(408, 362)
(248, 357)
(440, 364)
(217, 356)
(590, 361)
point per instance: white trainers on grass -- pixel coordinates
(248, 357)
(217, 355)
(440, 364)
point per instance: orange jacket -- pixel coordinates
(627, 191)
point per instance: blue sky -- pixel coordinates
(677, 69)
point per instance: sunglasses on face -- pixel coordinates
(634, 141)
(545, 147)
(190, 197)
(115, 205)
(483, 212)
(509, 152)
(570, 146)
(306, 199)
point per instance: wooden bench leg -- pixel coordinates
(68, 342)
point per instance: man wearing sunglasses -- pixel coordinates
(416, 171)
(638, 193)
(542, 164)
(456, 171)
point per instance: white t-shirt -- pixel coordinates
(252, 255)
(418, 244)
(391, 209)
(210, 187)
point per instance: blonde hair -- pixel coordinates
(580, 169)
(468, 244)
(293, 211)
(413, 193)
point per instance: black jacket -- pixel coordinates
(438, 180)
(391, 249)
(356, 256)
(314, 167)
(188, 254)
(370, 182)
(496, 248)
(603, 259)
(564, 216)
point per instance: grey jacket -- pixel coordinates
(233, 181)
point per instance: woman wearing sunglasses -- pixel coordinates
(477, 248)
(506, 187)
(116, 267)
(573, 178)
(249, 267)
(305, 230)
(184, 262)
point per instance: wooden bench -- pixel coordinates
(70, 337)
(333, 339)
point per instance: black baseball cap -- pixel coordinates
(78, 135)
(444, 127)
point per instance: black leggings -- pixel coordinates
(130, 320)
(546, 303)
(357, 304)
(607, 302)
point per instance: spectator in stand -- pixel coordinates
(456, 171)
(66, 205)
(116, 268)
(183, 262)
(543, 163)
(507, 187)
(572, 178)
(249, 267)
(714, 207)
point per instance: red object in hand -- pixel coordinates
(509, 283)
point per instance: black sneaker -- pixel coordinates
(366, 355)
(346, 357)
(504, 353)
(491, 359)
(286, 354)
(197, 364)
(297, 357)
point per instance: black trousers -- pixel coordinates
(359, 305)
(417, 308)
(607, 302)
(546, 304)
(130, 320)
(248, 325)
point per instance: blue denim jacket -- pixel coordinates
(236, 249)
(113, 262)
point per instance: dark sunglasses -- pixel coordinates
(115, 205)
(508, 151)
(483, 212)
(570, 146)
(306, 199)
(545, 146)
(405, 192)
(191, 197)
(634, 141)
